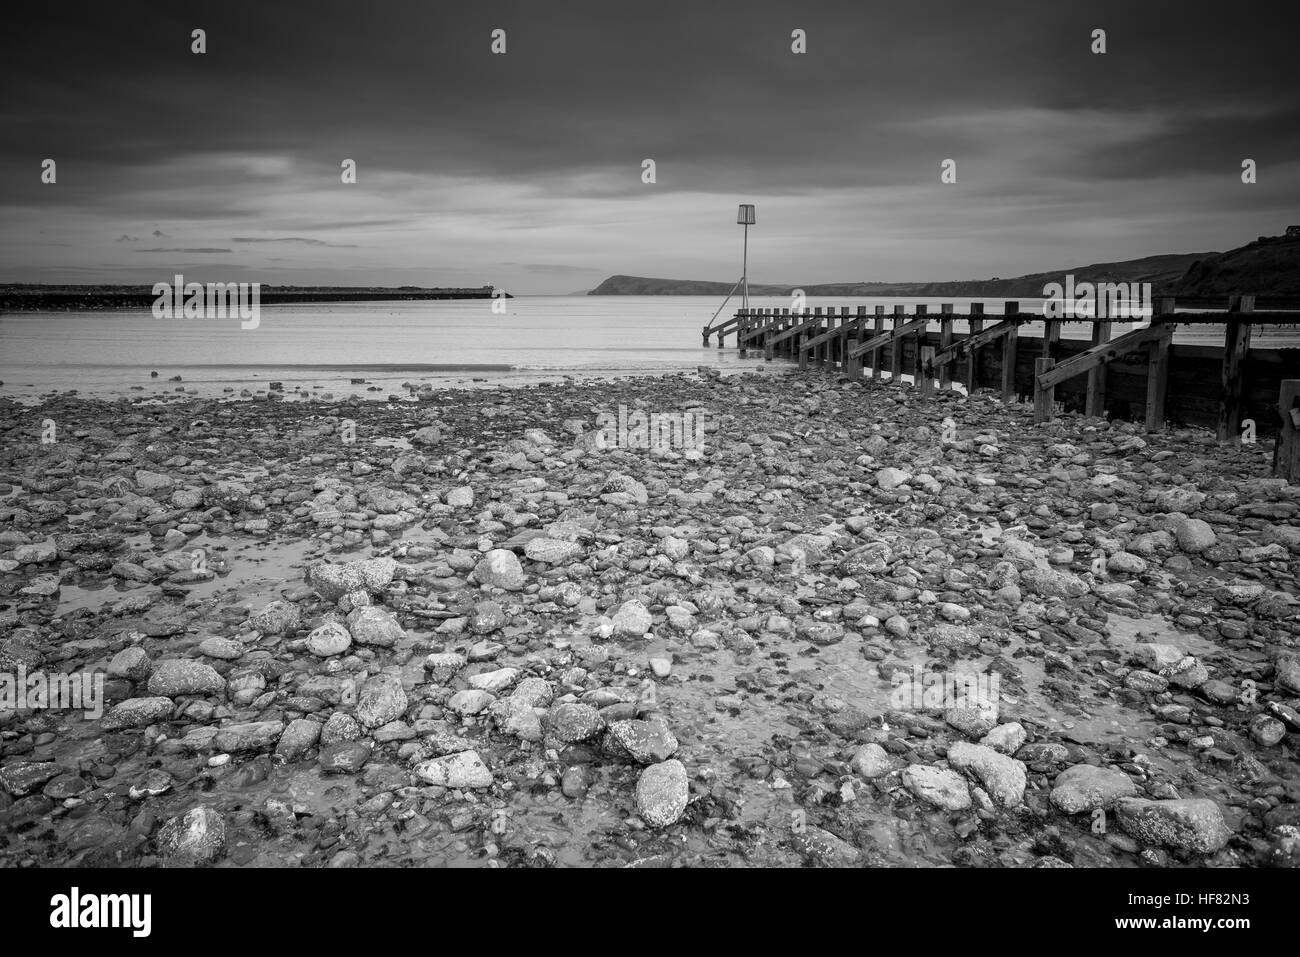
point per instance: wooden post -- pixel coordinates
(945, 342)
(1158, 366)
(896, 350)
(877, 327)
(1095, 404)
(817, 330)
(1044, 399)
(918, 362)
(803, 352)
(854, 366)
(781, 327)
(1009, 355)
(973, 356)
(1286, 454)
(1236, 346)
(1051, 337)
(742, 328)
(926, 368)
(826, 346)
(842, 344)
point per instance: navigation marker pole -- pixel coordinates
(745, 217)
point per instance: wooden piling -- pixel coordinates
(973, 356)
(925, 367)
(1044, 399)
(841, 344)
(817, 330)
(827, 347)
(877, 327)
(1236, 346)
(896, 350)
(853, 366)
(1051, 337)
(1009, 309)
(1158, 365)
(945, 342)
(918, 362)
(1286, 454)
(1095, 402)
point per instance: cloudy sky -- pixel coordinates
(524, 170)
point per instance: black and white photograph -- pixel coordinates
(562, 435)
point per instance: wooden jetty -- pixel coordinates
(33, 298)
(1141, 373)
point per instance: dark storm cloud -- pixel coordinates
(463, 156)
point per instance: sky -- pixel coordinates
(525, 170)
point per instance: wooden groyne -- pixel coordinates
(1240, 391)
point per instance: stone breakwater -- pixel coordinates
(457, 631)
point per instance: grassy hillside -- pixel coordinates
(1270, 266)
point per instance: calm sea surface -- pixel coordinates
(447, 343)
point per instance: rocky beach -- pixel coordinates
(453, 629)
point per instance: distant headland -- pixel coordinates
(1269, 266)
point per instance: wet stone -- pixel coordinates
(138, 713)
(941, 787)
(343, 757)
(1085, 787)
(463, 770)
(381, 700)
(662, 793)
(647, 742)
(177, 677)
(26, 777)
(1194, 824)
(196, 837)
